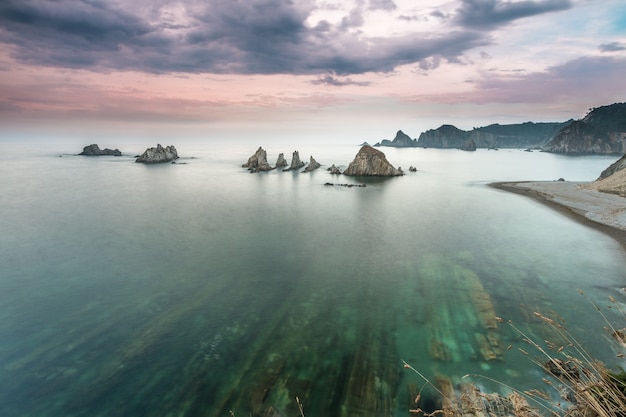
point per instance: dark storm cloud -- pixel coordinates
(235, 37)
(492, 13)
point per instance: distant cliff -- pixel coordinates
(402, 140)
(601, 131)
(521, 135)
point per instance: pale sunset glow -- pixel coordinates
(323, 64)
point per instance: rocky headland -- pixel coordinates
(158, 155)
(94, 150)
(402, 140)
(601, 131)
(371, 162)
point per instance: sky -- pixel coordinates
(355, 69)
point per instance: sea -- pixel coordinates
(200, 289)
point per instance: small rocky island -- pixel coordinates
(258, 161)
(158, 155)
(371, 162)
(94, 150)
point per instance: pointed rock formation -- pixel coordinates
(371, 162)
(295, 162)
(158, 155)
(94, 150)
(281, 161)
(313, 165)
(258, 161)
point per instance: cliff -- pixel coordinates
(613, 179)
(601, 131)
(371, 162)
(402, 140)
(158, 155)
(445, 136)
(94, 150)
(520, 135)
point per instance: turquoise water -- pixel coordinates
(198, 289)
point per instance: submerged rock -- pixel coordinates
(371, 162)
(296, 163)
(281, 161)
(94, 150)
(258, 161)
(334, 170)
(313, 165)
(158, 155)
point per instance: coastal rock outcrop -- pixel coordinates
(371, 162)
(158, 155)
(601, 131)
(313, 165)
(616, 166)
(281, 161)
(333, 170)
(296, 163)
(94, 150)
(258, 161)
(402, 140)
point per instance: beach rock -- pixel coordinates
(295, 162)
(158, 155)
(334, 170)
(371, 162)
(258, 161)
(313, 165)
(281, 161)
(94, 150)
(468, 145)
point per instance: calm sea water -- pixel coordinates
(198, 289)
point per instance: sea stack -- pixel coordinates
(158, 155)
(295, 162)
(281, 161)
(94, 150)
(371, 162)
(313, 165)
(258, 161)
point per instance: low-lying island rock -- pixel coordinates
(258, 161)
(333, 170)
(371, 162)
(313, 165)
(296, 163)
(94, 150)
(158, 155)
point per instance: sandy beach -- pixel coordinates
(581, 201)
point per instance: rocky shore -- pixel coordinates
(582, 201)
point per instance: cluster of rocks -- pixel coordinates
(149, 156)
(94, 150)
(258, 162)
(368, 162)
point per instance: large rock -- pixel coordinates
(296, 163)
(335, 170)
(601, 131)
(371, 162)
(258, 161)
(313, 165)
(158, 155)
(94, 150)
(468, 145)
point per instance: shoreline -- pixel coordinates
(601, 211)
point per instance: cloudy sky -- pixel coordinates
(350, 68)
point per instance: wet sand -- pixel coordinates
(578, 200)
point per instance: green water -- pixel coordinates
(197, 289)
